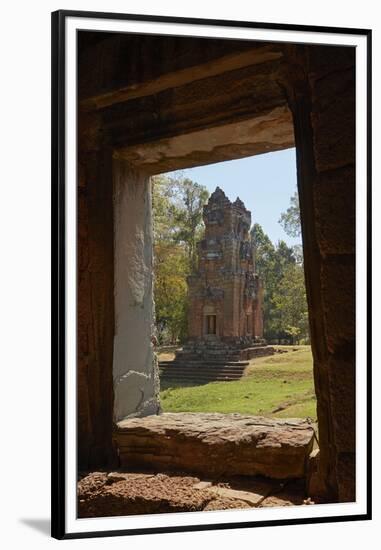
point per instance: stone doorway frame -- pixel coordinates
(121, 186)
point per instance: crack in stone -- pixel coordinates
(129, 373)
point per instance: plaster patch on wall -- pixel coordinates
(135, 379)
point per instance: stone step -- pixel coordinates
(208, 359)
(202, 364)
(200, 372)
(196, 372)
(189, 370)
(216, 445)
(196, 379)
(200, 375)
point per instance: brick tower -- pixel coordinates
(225, 294)
(225, 325)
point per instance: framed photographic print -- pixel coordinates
(211, 253)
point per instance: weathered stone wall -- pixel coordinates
(95, 308)
(115, 303)
(321, 89)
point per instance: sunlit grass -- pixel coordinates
(279, 386)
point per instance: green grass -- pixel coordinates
(283, 381)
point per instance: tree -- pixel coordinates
(289, 301)
(264, 250)
(191, 199)
(177, 223)
(297, 250)
(290, 220)
(275, 264)
(171, 270)
(265, 263)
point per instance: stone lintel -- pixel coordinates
(257, 135)
(154, 84)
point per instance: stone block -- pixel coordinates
(326, 60)
(335, 208)
(333, 121)
(338, 296)
(342, 391)
(346, 476)
(251, 498)
(216, 445)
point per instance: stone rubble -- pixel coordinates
(102, 494)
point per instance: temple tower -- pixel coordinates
(225, 294)
(225, 325)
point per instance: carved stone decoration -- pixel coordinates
(246, 250)
(213, 293)
(251, 286)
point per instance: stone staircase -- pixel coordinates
(201, 371)
(209, 361)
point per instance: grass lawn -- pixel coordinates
(279, 386)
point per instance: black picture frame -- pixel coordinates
(58, 172)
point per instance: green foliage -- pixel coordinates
(290, 220)
(277, 386)
(177, 215)
(191, 198)
(290, 302)
(281, 270)
(171, 270)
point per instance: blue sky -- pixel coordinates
(264, 183)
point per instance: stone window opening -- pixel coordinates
(289, 108)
